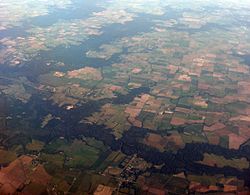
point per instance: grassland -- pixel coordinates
(219, 161)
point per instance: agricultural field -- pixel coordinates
(125, 97)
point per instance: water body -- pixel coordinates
(184, 160)
(37, 108)
(79, 10)
(69, 127)
(13, 32)
(75, 56)
(244, 58)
